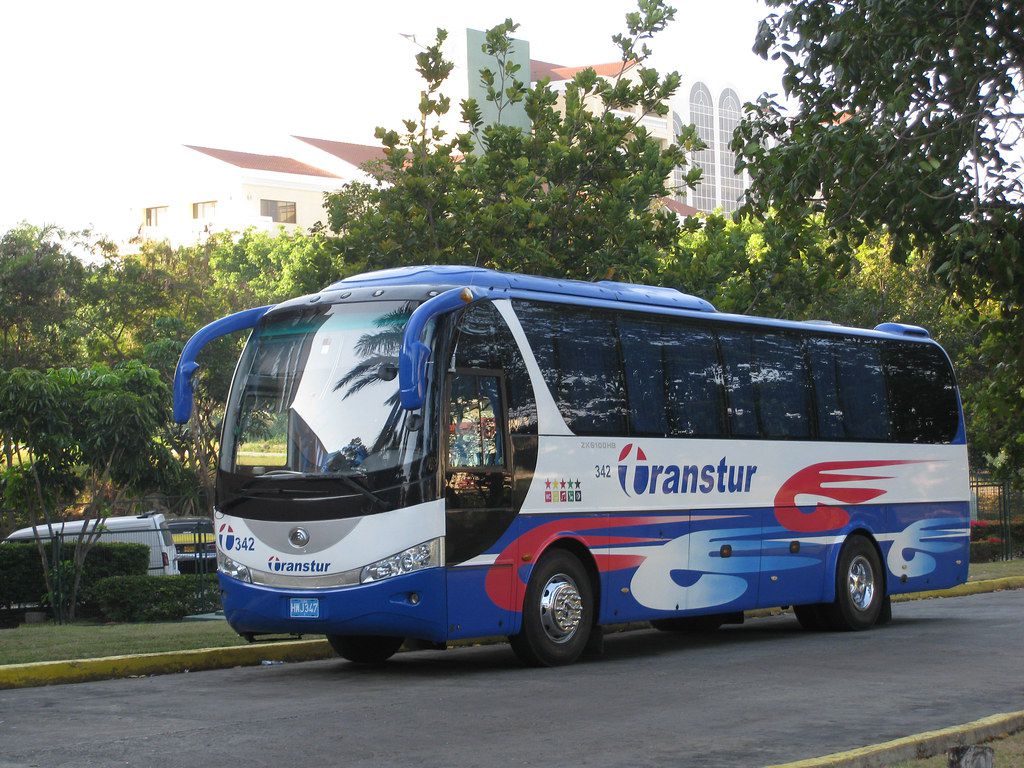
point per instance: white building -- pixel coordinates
(715, 113)
(205, 189)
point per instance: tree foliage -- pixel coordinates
(907, 117)
(83, 437)
(572, 196)
(904, 117)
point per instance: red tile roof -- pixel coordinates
(274, 163)
(541, 69)
(355, 154)
(680, 209)
(556, 72)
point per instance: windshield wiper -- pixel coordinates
(347, 479)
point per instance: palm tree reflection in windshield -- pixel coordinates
(378, 353)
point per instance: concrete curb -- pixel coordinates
(920, 745)
(83, 670)
(970, 588)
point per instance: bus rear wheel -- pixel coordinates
(558, 612)
(365, 649)
(860, 587)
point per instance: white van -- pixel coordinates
(149, 529)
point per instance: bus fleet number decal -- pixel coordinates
(245, 542)
(602, 470)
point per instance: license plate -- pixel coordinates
(304, 607)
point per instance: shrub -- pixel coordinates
(21, 573)
(154, 598)
(988, 551)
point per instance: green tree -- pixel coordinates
(40, 279)
(572, 196)
(85, 438)
(906, 118)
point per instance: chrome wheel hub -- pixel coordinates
(561, 608)
(861, 582)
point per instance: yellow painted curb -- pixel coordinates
(81, 670)
(918, 746)
(970, 588)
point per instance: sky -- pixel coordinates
(95, 92)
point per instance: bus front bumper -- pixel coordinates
(411, 606)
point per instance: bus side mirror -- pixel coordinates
(412, 374)
(414, 355)
(187, 365)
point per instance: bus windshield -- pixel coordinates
(315, 395)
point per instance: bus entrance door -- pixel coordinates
(478, 497)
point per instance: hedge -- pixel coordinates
(988, 551)
(984, 529)
(154, 598)
(21, 573)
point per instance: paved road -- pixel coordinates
(765, 692)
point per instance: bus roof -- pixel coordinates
(602, 292)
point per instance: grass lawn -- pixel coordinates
(1009, 754)
(48, 642)
(996, 570)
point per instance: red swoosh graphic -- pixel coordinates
(812, 481)
(506, 589)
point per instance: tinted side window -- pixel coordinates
(673, 378)
(850, 391)
(484, 341)
(696, 390)
(738, 355)
(643, 349)
(577, 350)
(922, 393)
(825, 377)
(782, 386)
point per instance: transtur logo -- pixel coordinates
(689, 478)
(278, 565)
(226, 536)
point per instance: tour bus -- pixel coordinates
(436, 453)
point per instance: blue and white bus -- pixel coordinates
(436, 453)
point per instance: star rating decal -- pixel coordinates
(562, 491)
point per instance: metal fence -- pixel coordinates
(1000, 506)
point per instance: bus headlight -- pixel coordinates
(425, 555)
(229, 567)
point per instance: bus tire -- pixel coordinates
(812, 617)
(365, 649)
(885, 615)
(558, 612)
(708, 623)
(860, 587)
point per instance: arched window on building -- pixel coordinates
(731, 183)
(702, 115)
(678, 191)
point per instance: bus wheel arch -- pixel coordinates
(559, 608)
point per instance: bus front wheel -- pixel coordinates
(558, 612)
(365, 649)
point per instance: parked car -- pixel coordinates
(195, 543)
(149, 529)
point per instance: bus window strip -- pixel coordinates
(712, 324)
